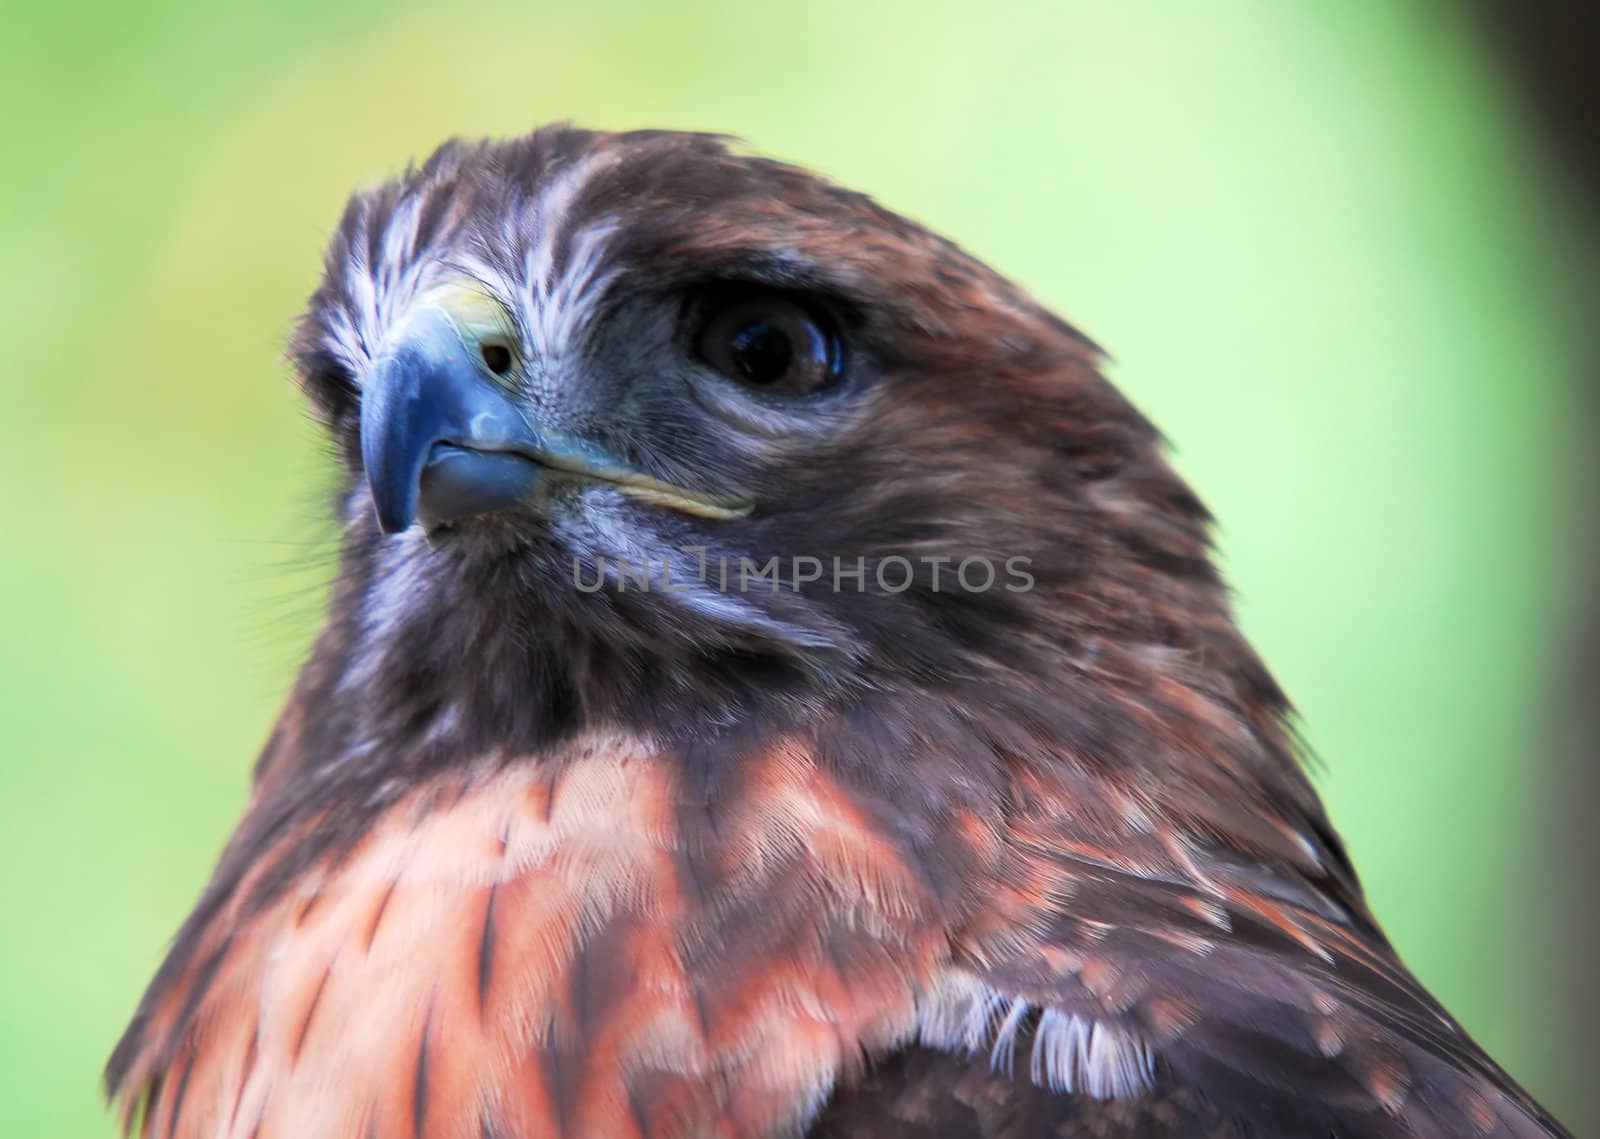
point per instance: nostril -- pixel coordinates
(497, 358)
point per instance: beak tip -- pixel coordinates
(391, 523)
(394, 498)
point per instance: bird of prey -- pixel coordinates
(774, 685)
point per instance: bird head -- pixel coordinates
(667, 410)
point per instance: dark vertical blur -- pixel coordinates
(1549, 49)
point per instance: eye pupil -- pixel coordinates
(497, 358)
(762, 352)
(772, 343)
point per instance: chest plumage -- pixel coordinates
(577, 946)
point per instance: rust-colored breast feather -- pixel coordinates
(543, 951)
(593, 945)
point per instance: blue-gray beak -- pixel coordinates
(442, 438)
(437, 432)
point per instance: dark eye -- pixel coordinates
(771, 343)
(496, 357)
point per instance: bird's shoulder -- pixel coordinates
(1157, 987)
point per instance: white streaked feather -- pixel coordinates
(1005, 1036)
(959, 1013)
(554, 307)
(556, 316)
(550, 209)
(1071, 1053)
(380, 294)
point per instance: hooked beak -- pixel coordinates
(442, 438)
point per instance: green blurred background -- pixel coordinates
(1321, 242)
